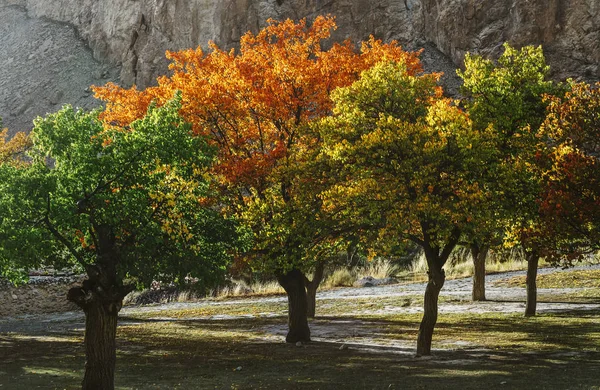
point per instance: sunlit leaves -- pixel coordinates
(12, 151)
(255, 104)
(571, 193)
(405, 155)
(141, 190)
(506, 99)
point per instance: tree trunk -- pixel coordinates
(436, 258)
(311, 289)
(101, 306)
(532, 267)
(436, 281)
(101, 298)
(479, 254)
(293, 284)
(100, 347)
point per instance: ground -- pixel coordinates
(363, 339)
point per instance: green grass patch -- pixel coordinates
(223, 308)
(566, 279)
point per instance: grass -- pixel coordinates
(460, 265)
(343, 277)
(544, 333)
(238, 344)
(221, 309)
(571, 279)
(241, 289)
(239, 354)
(340, 277)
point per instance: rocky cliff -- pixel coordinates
(134, 34)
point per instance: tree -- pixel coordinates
(569, 161)
(508, 98)
(123, 204)
(256, 104)
(408, 163)
(12, 152)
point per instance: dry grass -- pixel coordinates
(379, 268)
(460, 264)
(240, 288)
(340, 277)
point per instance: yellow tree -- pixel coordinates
(409, 163)
(507, 97)
(256, 104)
(13, 150)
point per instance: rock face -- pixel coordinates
(44, 65)
(569, 30)
(369, 281)
(134, 35)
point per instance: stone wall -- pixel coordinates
(40, 295)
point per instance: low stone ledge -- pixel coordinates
(370, 281)
(42, 294)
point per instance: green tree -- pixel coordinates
(408, 163)
(507, 98)
(124, 204)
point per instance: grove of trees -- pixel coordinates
(281, 154)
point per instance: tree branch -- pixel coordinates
(59, 236)
(450, 245)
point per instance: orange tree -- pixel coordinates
(256, 104)
(570, 204)
(408, 163)
(507, 98)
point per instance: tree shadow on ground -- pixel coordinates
(236, 353)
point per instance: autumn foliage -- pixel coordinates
(256, 105)
(12, 150)
(254, 102)
(570, 200)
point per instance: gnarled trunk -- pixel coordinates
(532, 267)
(479, 254)
(101, 305)
(293, 284)
(436, 281)
(311, 289)
(101, 298)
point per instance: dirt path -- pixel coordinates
(500, 299)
